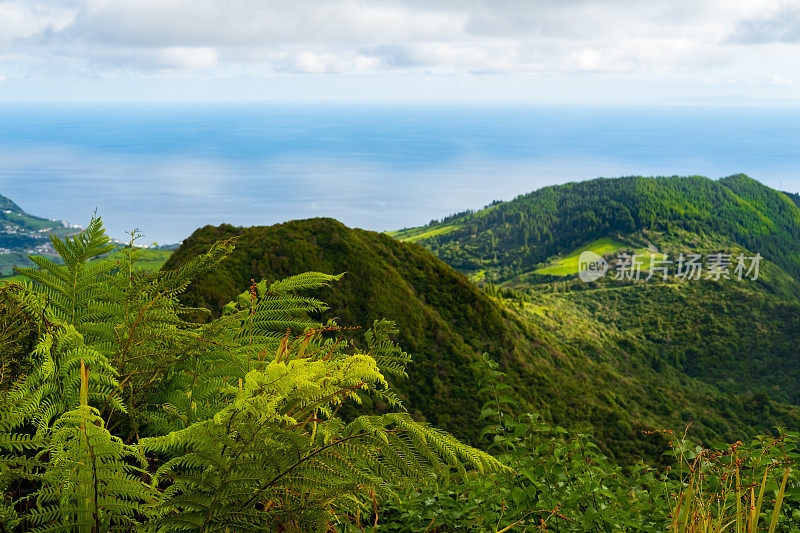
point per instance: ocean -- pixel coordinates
(167, 169)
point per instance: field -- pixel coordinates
(416, 234)
(568, 265)
(151, 261)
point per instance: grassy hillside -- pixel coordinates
(568, 265)
(418, 234)
(565, 362)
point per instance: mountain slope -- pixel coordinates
(740, 336)
(564, 362)
(438, 310)
(515, 237)
(22, 234)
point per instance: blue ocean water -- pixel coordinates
(170, 168)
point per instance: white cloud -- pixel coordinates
(258, 23)
(256, 38)
(26, 20)
(774, 24)
(180, 57)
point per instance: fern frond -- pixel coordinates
(76, 282)
(303, 282)
(89, 483)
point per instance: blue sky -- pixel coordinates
(535, 51)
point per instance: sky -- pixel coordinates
(535, 51)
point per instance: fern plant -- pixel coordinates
(91, 479)
(278, 455)
(230, 424)
(72, 286)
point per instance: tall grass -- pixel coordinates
(729, 490)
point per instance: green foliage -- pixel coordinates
(91, 481)
(606, 359)
(20, 325)
(182, 426)
(276, 456)
(71, 286)
(514, 237)
(563, 482)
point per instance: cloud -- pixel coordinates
(782, 25)
(28, 20)
(157, 23)
(109, 38)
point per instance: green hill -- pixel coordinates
(6, 204)
(742, 337)
(515, 237)
(578, 366)
(443, 318)
(22, 234)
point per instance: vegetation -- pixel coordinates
(116, 413)
(562, 482)
(133, 398)
(512, 238)
(574, 353)
(417, 234)
(793, 196)
(568, 265)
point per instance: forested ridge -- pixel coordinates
(513, 237)
(609, 361)
(737, 336)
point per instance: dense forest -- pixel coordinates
(120, 412)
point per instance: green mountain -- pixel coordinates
(740, 336)
(517, 237)
(595, 362)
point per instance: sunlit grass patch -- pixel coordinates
(568, 265)
(151, 261)
(417, 234)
